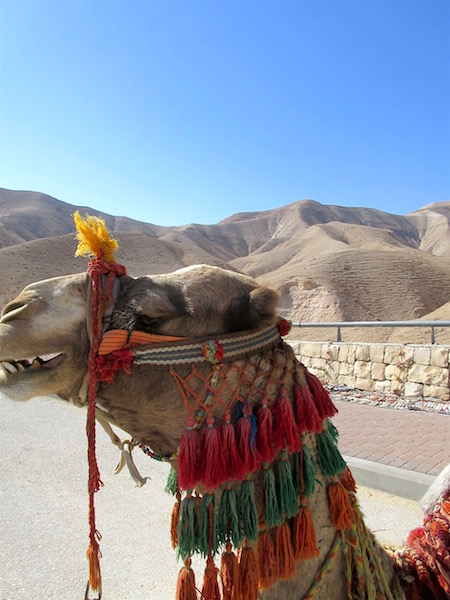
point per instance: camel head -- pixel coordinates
(44, 340)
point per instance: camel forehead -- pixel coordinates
(210, 278)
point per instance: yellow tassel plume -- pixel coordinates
(93, 238)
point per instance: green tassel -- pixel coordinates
(273, 515)
(309, 472)
(329, 457)
(188, 527)
(247, 510)
(208, 529)
(289, 504)
(172, 482)
(228, 526)
(332, 429)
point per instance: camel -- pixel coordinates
(193, 366)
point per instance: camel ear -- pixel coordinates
(254, 311)
(262, 307)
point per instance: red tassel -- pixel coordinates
(186, 583)
(325, 406)
(264, 434)
(187, 457)
(247, 451)
(341, 511)
(210, 590)
(283, 552)
(266, 560)
(308, 419)
(285, 432)
(248, 574)
(304, 536)
(232, 462)
(210, 468)
(229, 572)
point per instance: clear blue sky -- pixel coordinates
(177, 112)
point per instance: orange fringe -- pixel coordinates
(283, 552)
(210, 590)
(341, 511)
(266, 560)
(95, 578)
(186, 583)
(304, 535)
(347, 481)
(174, 521)
(229, 573)
(248, 574)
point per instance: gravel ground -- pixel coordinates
(43, 510)
(346, 394)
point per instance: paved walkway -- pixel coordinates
(410, 440)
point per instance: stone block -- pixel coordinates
(345, 369)
(378, 371)
(343, 353)
(393, 353)
(376, 353)
(362, 352)
(364, 384)
(319, 363)
(333, 371)
(351, 353)
(428, 374)
(422, 355)
(383, 387)
(362, 369)
(440, 357)
(437, 391)
(347, 380)
(413, 389)
(395, 373)
(397, 387)
(312, 349)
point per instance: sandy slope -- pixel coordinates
(327, 262)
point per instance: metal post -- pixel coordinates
(339, 334)
(432, 334)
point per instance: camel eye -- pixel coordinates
(146, 323)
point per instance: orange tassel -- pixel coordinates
(304, 536)
(210, 590)
(229, 573)
(347, 481)
(95, 578)
(341, 511)
(266, 560)
(186, 583)
(174, 521)
(283, 552)
(248, 574)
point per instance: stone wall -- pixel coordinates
(406, 370)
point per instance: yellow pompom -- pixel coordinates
(93, 238)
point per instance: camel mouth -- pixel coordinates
(18, 366)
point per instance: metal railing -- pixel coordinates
(340, 324)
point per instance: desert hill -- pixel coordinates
(327, 262)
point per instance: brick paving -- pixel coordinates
(412, 440)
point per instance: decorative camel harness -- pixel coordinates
(257, 446)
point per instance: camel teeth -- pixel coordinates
(36, 363)
(9, 367)
(20, 367)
